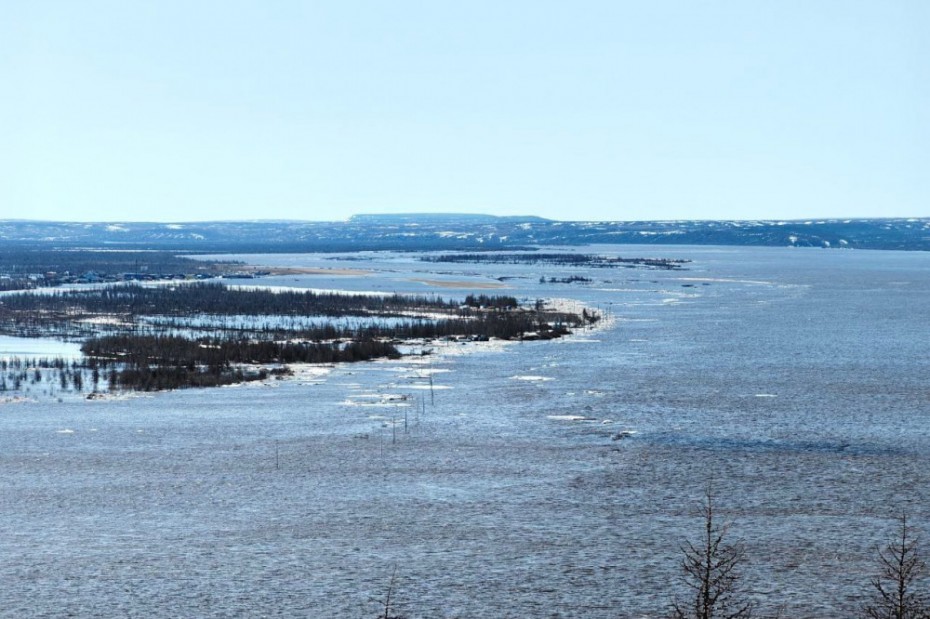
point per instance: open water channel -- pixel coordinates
(793, 383)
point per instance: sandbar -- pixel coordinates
(310, 271)
(443, 283)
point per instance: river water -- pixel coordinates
(792, 383)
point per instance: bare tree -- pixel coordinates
(389, 598)
(897, 594)
(711, 574)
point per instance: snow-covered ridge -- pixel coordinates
(447, 232)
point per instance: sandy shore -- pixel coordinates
(443, 283)
(309, 271)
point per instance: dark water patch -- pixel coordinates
(747, 444)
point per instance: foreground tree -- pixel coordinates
(897, 592)
(711, 574)
(389, 599)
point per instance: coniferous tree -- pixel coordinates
(711, 574)
(898, 593)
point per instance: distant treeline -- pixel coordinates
(587, 260)
(23, 261)
(216, 299)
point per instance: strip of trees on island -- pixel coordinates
(26, 268)
(206, 334)
(564, 259)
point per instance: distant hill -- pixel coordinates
(461, 231)
(440, 219)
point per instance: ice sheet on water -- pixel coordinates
(570, 418)
(33, 347)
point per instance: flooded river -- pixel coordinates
(793, 383)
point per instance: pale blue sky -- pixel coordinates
(168, 110)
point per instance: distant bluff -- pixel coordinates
(441, 231)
